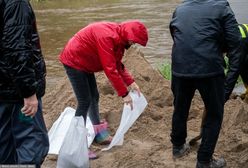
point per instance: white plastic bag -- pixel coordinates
(60, 127)
(91, 132)
(128, 118)
(74, 150)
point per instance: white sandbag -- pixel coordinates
(128, 118)
(74, 150)
(60, 127)
(91, 132)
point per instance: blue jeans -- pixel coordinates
(212, 93)
(22, 141)
(87, 95)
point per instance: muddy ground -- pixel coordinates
(147, 143)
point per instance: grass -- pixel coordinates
(165, 70)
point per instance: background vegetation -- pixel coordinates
(165, 70)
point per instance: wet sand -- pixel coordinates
(147, 143)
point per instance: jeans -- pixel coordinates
(87, 95)
(212, 92)
(22, 141)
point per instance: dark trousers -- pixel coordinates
(212, 92)
(22, 141)
(244, 62)
(87, 95)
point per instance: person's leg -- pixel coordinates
(243, 67)
(7, 150)
(212, 92)
(80, 85)
(244, 73)
(30, 136)
(100, 127)
(93, 111)
(244, 62)
(183, 91)
(244, 77)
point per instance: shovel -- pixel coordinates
(194, 140)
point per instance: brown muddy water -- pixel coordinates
(58, 20)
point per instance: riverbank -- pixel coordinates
(147, 143)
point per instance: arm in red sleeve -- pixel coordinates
(105, 48)
(126, 76)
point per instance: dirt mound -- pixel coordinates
(147, 143)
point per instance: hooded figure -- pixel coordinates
(100, 46)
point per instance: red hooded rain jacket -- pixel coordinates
(100, 46)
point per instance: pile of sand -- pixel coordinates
(147, 143)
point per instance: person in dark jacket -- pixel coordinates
(200, 29)
(23, 135)
(100, 47)
(244, 62)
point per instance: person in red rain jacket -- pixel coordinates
(100, 47)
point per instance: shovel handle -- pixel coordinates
(194, 140)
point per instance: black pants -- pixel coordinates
(22, 141)
(85, 89)
(212, 93)
(244, 61)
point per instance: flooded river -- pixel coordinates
(58, 20)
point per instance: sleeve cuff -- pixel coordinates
(125, 94)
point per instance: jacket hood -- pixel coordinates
(134, 31)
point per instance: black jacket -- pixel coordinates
(200, 29)
(22, 67)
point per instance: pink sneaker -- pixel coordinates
(92, 155)
(102, 135)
